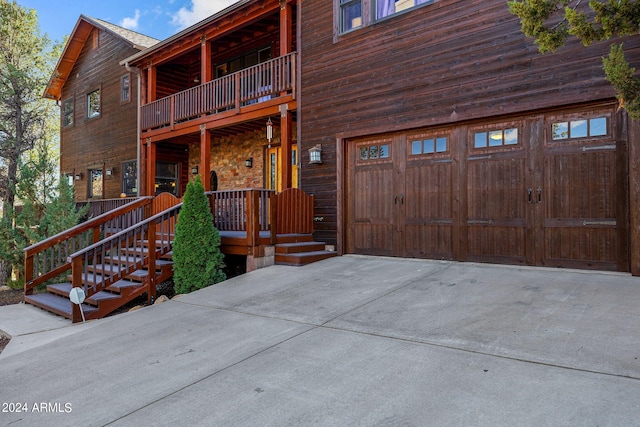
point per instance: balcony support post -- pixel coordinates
(205, 156)
(286, 140)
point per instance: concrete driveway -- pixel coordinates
(364, 341)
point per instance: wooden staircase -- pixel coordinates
(112, 297)
(299, 250)
(111, 258)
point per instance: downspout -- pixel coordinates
(138, 73)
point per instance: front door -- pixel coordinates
(274, 164)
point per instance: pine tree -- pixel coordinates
(197, 260)
(552, 22)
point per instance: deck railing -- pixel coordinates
(252, 85)
(48, 259)
(249, 211)
(99, 206)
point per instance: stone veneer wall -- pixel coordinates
(228, 157)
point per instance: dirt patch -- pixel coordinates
(10, 296)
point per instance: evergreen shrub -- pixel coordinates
(197, 260)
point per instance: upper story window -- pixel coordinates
(353, 14)
(93, 104)
(125, 88)
(67, 112)
(247, 60)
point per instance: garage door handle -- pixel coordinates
(529, 195)
(395, 199)
(539, 195)
(402, 199)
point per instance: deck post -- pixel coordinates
(28, 274)
(151, 267)
(286, 139)
(253, 218)
(205, 156)
(76, 282)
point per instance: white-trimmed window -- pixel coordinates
(93, 104)
(125, 88)
(67, 112)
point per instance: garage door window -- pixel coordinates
(429, 146)
(496, 138)
(579, 128)
(374, 152)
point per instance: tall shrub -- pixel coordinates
(197, 260)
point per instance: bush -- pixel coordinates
(197, 260)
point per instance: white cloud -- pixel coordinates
(131, 23)
(197, 11)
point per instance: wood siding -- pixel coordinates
(107, 140)
(451, 62)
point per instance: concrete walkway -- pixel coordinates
(364, 341)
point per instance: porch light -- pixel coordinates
(249, 162)
(78, 176)
(194, 170)
(315, 155)
(109, 171)
(269, 131)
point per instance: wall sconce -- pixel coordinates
(249, 162)
(109, 171)
(269, 131)
(315, 155)
(194, 170)
(78, 176)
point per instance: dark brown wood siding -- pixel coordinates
(109, 139)
(449, 62)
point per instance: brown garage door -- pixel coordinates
(538, 191)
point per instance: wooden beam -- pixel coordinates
(151, 168)
(286, 28)
(286, 141)
(205, 157)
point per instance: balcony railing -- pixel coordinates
(252, 85)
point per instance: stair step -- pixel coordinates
(102, 296)
(290, 248)
(56, 304)
(61, 289)
(124, 284)
(293, 238)
(303, 258)
(115, 260)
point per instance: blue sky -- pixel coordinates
(155, 18)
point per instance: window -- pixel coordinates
(129, 178)
(95, 183)
(496, 138)
(93, 104)
(429, 145)
(373, 152)
(125, 88)
(386, 8)
(240, 63)
(67, 112)
(579, 128)
(166, 178)
(350, 14)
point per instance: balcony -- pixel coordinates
(269, 80)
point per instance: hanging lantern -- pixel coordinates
(315, 155)
(269, 131)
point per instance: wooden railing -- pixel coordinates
(249, 211)
(153, 234)
(99, 206)
(48, 259)
(252, 85)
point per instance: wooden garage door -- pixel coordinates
(400, 202)
(543, 190)
(582, 196)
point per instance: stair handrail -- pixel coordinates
(157, 228)
(54, 251)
